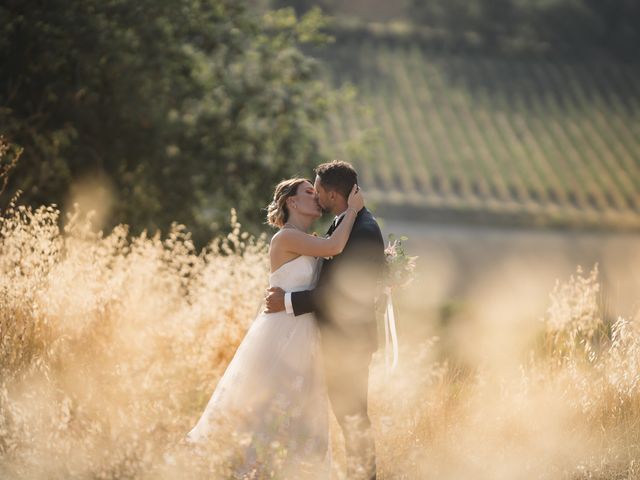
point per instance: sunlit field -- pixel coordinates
(110, 346)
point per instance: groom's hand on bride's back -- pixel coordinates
(274, 300)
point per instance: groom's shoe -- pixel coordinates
(371, 474)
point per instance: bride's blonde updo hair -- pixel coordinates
(277, 211)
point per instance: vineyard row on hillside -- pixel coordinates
(467, 132)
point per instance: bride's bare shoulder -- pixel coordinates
(279, 239)
(280, 251)
(287, 240)
(285, 235)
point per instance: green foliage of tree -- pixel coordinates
(9, 156)
(184, 108)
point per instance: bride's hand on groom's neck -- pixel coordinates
(355, 200)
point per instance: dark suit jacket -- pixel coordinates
(344, 299)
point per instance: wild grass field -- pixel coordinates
(111, 345)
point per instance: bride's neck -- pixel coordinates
(301, 222)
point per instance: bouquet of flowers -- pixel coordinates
(400, 266)
(400, 273)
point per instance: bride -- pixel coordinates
(273, 391)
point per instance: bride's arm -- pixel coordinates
(295, 241)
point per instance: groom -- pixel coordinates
(344, 303)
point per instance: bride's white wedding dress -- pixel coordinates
(274, 387)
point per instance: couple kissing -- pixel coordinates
(311, 347)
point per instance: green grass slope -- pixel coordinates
(475, 136)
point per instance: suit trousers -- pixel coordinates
(347, 375)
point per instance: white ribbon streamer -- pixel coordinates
(390, 334)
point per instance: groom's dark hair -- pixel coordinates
(338, 176)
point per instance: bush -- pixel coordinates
(158, 112)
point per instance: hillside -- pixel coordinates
(475, 136)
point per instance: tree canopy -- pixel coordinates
(179, 109)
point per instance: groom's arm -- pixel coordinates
(365, 257)
(299, 303)
(367, 247)
(295, 303)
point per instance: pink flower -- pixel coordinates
(400, 266)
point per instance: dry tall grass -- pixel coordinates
(110, 347)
